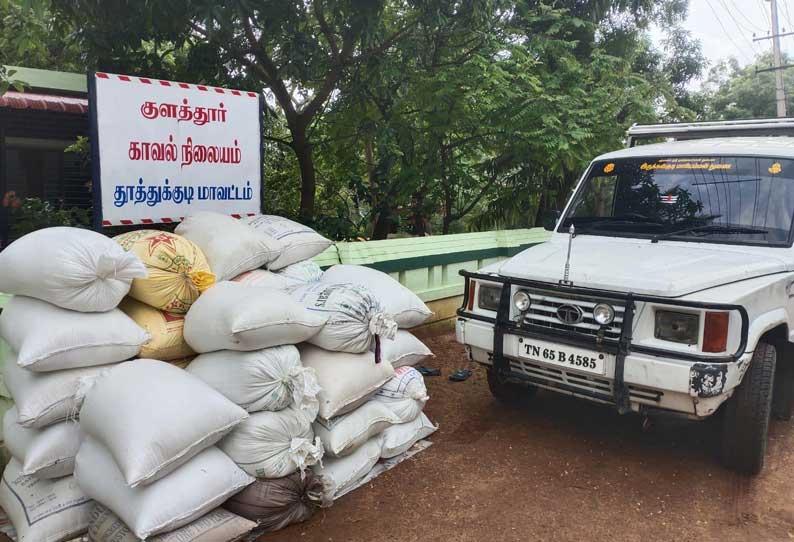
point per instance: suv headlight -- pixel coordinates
(488, 297)
(678, 327)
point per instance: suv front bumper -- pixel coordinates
(652, 382)
(635, 379)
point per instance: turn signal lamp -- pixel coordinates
(715, 332)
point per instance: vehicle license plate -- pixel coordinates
(569, 357)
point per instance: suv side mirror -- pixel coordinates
(550, 218)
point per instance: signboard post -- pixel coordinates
(162, 150)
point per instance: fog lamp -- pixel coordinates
(603, 314)
(522, 301)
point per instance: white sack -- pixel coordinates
(218, 525)
(265, 279)
(354, 316)
(405, 306)
(399, 438)
(268, 379)
(404, 395)
(346, 380)
(341, 435)
(274, 444)
(404, 350)
(46, 398)
(153, 417)
(43, 453)
(340, 473)
(301, 272)
(49, 338)
(43, 510)
(233, 316)
(299, 242)
(231, 247)
(76, 269)
(192, 490)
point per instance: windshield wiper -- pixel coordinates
(590, 224)
(630, 218)
(708, 229)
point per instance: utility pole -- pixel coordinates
(780, 93)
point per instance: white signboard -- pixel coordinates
(164, 150)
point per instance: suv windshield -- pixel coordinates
(704, 198)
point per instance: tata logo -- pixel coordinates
(569, 314)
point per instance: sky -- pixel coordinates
(725, 28)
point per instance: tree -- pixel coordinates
(732, 92)
(35, 38)
(492, 114)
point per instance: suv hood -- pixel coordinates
(665, 269)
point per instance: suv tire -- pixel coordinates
(509, 393)
(746, 421)
(783, 400)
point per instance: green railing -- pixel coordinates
(429, 265)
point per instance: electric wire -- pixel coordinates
(741, 28)
(727, 34)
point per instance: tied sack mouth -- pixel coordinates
(201, 280)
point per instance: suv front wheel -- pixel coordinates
(508, 392)
(746, 420)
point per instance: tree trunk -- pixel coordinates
(421, 223)
(382, 227)
(376, 222)
(303, 151)
(447, 213)
(541, 209)
(447, 189)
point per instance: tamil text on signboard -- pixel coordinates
(166, 150)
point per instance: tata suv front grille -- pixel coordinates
(592, 387)
(547, 306)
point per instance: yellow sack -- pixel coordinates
(178, 270)
(167, 341)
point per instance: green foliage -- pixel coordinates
(7, 81)
(32, 36)
(733, 92)
(32, 214)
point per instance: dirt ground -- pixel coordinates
(562, 469)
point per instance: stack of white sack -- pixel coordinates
(148, 454)
(247, 335)
(62, 326)
(366, 411)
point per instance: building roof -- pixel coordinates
(44, 102)
(779, 146)
(51, 82)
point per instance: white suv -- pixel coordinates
(666, 287)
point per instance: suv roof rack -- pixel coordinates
(703, 130)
